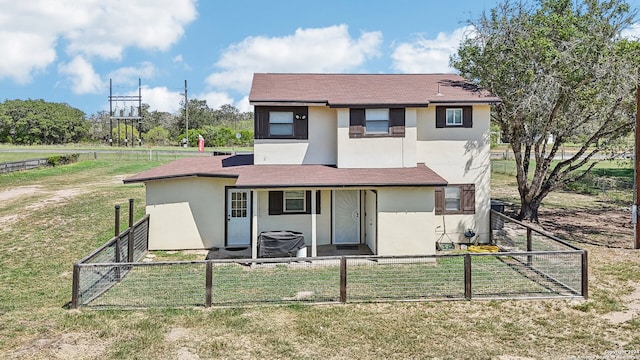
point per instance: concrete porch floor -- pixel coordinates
(323, 250)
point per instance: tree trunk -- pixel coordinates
(529, 210)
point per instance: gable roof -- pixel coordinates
(288, 176)
(344, 90)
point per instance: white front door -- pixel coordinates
(346, 217)
(238, 217)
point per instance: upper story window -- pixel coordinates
(376, 121)
(454, 116)
(280, 123)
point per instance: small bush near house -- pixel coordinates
(56, 160)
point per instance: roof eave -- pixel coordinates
(179, 176)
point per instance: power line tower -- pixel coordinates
(126, 108)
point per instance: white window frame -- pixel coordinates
(452, 117)
(281, 120)
(378, 117)
(452, 195)
(294, 195)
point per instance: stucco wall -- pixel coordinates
(376, 152)
(461, 156)
(297, 222)
(405, 221)
(186, 213)
(320, 148)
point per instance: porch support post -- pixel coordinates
(254, 224)
(314, 223)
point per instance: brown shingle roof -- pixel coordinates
(280, 176)
(338, 90)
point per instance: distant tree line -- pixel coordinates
(29, 122)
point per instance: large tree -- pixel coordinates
(563, 72)
(27, 122)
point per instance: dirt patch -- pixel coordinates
(602, 227)
(632, 302)
(64, 346)
(177, 333)
(57, 197)
(19, 191)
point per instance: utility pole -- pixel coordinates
(636, 160)
(186, 115)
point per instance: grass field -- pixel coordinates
(52, 217)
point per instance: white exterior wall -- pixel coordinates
(297, 222)
(320, 148)
(187, 213)
(461, 156)
(376, 152)
(405, 221)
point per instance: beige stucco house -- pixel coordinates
(392, 163)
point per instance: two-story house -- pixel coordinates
(392, 163)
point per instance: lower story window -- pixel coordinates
(452, 198)
(455, 199)
(294, 201)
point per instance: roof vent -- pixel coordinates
(439, 93)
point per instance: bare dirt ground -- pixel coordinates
(606, 227)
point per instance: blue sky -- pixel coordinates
(67, 50)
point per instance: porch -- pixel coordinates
(323, 250)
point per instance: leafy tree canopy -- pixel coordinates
(562, 71)
(26, 122)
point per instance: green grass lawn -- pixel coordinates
(63, 213)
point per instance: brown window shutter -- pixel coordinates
(307, 199)
(397, 122)
(261, 123)
(356, 123)
(467, 116)
(301, 126)
(441, 116)
(439, 201)
(318, 199)
(468, 197)
(276, 202)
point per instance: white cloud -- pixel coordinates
(31, 30)
(215, 99)
(23, 53)
(130, 75)
(321, 50)
(161, 99)
(632, 32)
(243, 105)
(82, 76)
(177, 58)
(428, 55)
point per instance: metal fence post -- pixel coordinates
(75, 286)
(208, 283)
(467, 276)
(117, 235)
(585, 275)
(529, 246)
(131, 233)
(343, 279)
